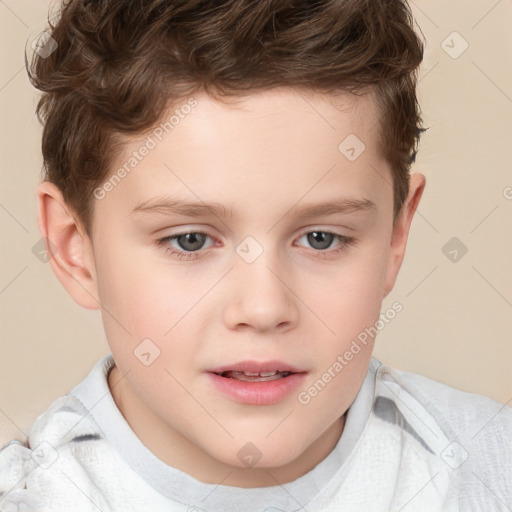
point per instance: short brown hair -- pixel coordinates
(119, 63)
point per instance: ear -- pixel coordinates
(401, 231)
(69, 249)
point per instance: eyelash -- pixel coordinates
(346, 242)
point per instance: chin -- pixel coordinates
(258, 454)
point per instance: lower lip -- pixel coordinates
(257, 393)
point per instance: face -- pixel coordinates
(272, 279)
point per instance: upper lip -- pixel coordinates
(257, 367)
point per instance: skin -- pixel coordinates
(268, 154)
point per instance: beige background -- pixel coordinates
(456, 322)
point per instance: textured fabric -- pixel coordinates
(409, 444)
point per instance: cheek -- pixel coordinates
(349, 297)
(146, 300)
(348, 305)
(141, 295)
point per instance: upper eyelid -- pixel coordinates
(205, 232)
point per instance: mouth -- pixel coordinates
(256, 371)
(254, 376)
(257, 383)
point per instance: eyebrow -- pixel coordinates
(169, 206)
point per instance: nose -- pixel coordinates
(260, 297)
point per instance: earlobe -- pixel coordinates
(69, 249)
(401, 231)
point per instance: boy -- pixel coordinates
(276, 138)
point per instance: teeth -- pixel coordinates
(254, 377)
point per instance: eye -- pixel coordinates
(188, 245)
(322, 240)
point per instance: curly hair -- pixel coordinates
(118, 64)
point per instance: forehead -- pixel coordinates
(277, 116)
(281, 144)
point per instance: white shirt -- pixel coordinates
(409, 444)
